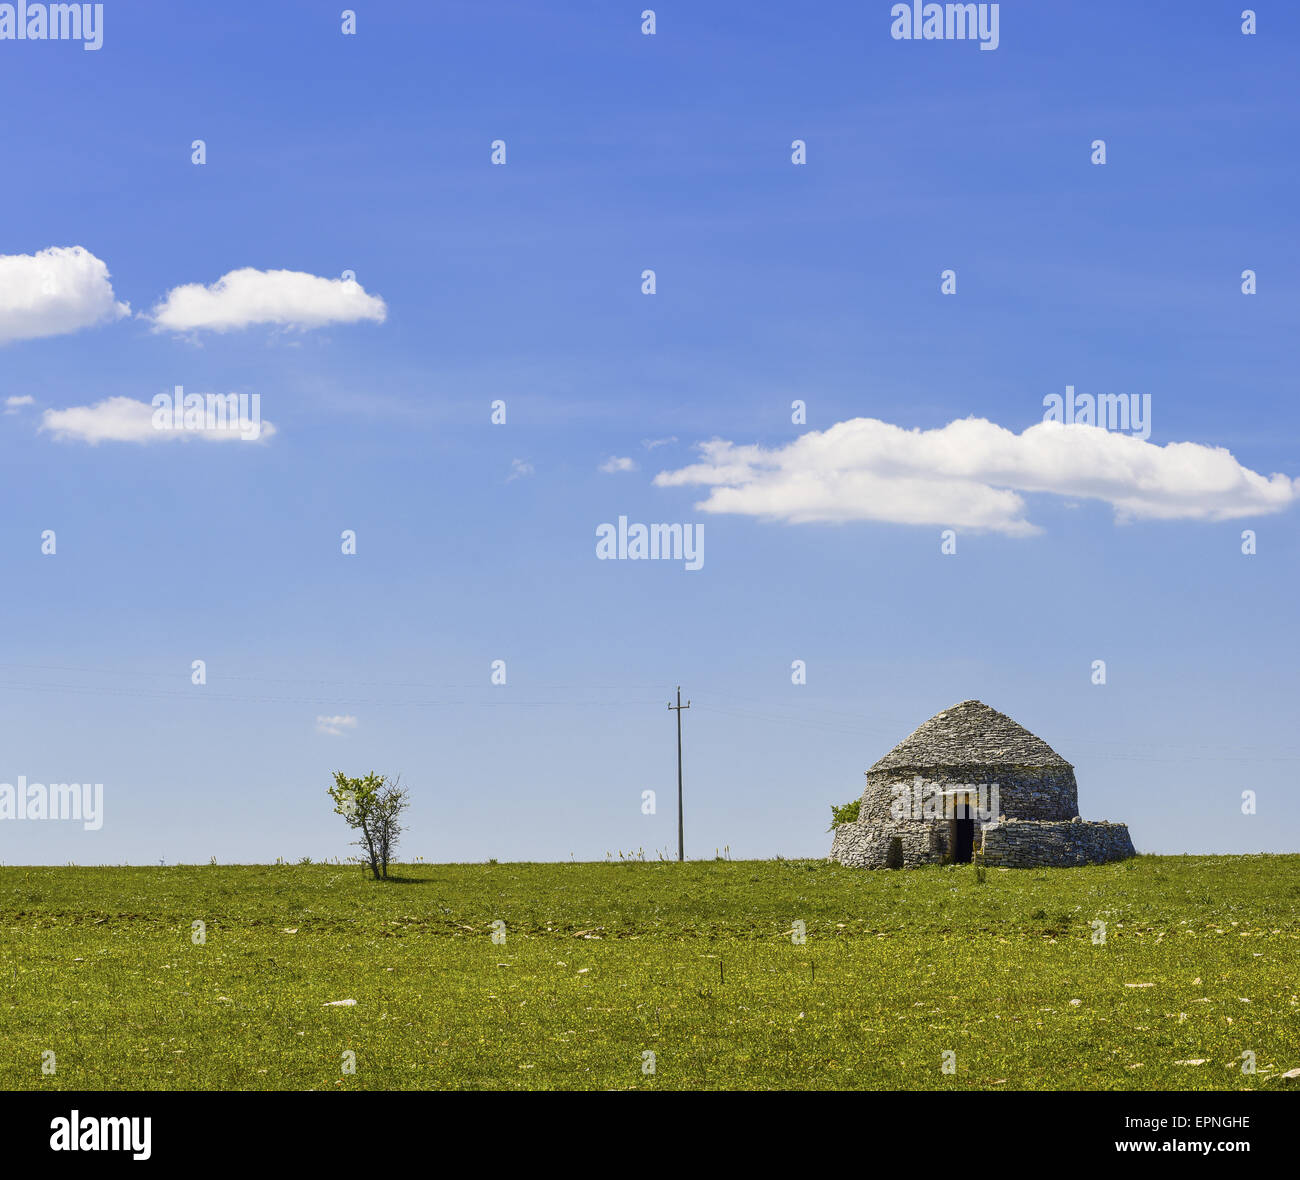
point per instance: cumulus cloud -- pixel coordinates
(124, 419)
(971, 474)
(54, 292)
(287, 298)
(335, 725)
(14, 404)
(614, 464)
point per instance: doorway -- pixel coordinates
(961, 831)
(963, 840)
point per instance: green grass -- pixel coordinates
(695, 963)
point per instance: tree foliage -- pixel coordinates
(845, 814)
(372, 806)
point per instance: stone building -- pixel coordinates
(972, 784)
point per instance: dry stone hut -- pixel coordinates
(971, 782)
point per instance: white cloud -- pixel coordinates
(614, 464)
(651, 443)
(288, 298)
(970, 474)
(13, 404)
(54, 292)
(519, 469)
(123, 419)
(335, 725)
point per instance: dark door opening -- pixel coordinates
(961, 832)
(963, 844)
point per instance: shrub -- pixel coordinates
(846, 814)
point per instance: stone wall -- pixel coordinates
(1012, 843)
(1027, 792)
(1027, 843)
(866, 845)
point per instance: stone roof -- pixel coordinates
(969, 734)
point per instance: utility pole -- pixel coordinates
(677, 708)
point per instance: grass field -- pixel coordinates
(695, 963)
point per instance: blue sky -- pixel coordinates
(522, 282)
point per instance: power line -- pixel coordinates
(822, 719)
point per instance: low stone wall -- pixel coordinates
(1023, 844)
(866, 845)
(1012, 843)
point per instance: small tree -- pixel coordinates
(846, 814)
(372, 806)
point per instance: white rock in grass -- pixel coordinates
(338, 1004)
